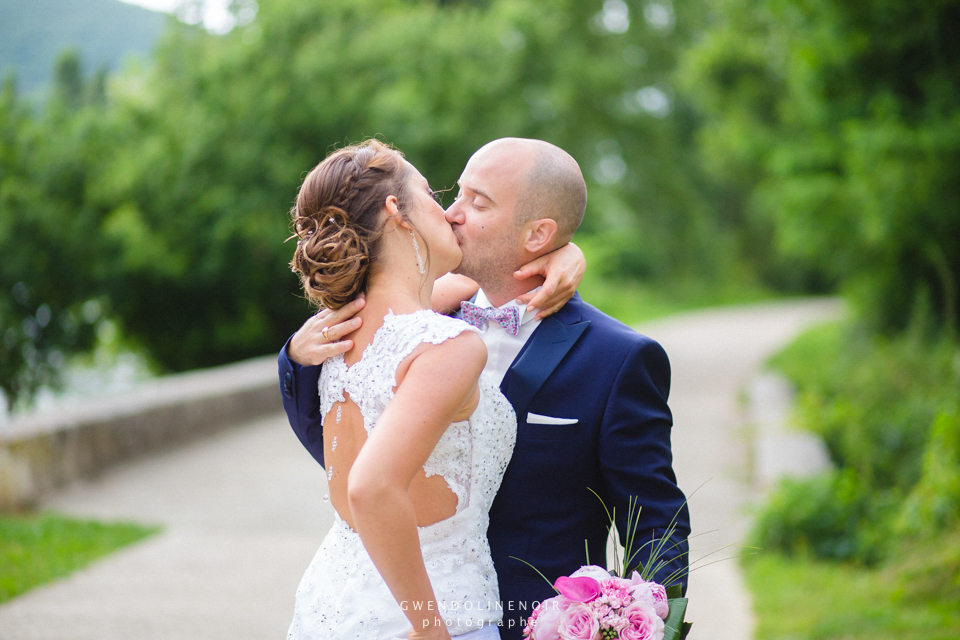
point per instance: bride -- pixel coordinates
(416, 441)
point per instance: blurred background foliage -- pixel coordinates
(836, 126)
(160, 194)
(732, 149)
(885, 523)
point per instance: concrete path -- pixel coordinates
(243, 515)
(714, 354)
(243, 511)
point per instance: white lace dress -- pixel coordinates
(341, 594)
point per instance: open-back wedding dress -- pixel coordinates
(342, 594)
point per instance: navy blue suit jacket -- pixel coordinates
(579, 364)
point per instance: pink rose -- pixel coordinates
(593, 571)
(653, 594)
(578, 623)
(579, 589)
(548, 618)
(643, 623)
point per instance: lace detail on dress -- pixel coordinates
(341, 594)
(370, 382)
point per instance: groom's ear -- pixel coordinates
(538, 235)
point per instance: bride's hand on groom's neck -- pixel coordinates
(562, 270)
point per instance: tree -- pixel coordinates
(48, 237)
(839, 123)
(212, 146)
(179, 181)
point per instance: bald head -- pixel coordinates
(550, 185)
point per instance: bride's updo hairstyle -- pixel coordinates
(338, 220)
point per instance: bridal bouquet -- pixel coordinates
(594, 604)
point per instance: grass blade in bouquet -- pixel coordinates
(624, 602)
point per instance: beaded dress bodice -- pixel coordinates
(342, 595)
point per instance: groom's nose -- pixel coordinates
(454, 213)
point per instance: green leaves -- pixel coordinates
(168, 198)
(838, 121)
(674, 626)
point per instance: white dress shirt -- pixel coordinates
(502, 348)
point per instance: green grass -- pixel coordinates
(39, 548)
(811, 358)
(802, 599)
(888, 409)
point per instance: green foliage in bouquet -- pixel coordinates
(675, 628)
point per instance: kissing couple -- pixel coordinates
(463, 399)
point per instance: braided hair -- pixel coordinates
(338, 223)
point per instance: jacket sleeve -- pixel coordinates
(301, 401)
(636, 461)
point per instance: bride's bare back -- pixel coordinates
(344, 436)
(418, 442)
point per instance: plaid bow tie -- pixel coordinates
(508, 318)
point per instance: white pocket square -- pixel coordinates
(536, 418)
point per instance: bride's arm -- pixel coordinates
(562, 270)
(439, 383)
(450, 290)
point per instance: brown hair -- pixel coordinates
(338, 223)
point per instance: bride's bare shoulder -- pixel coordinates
(464, 353)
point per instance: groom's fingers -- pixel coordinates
(327, 318)
(321, 336)
(331, 349)
(342, 321)
(315, 352)
(336, 332)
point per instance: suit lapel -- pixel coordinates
(548, 345)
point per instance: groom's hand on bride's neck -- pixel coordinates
(321, 336)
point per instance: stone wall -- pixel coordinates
(42, 451)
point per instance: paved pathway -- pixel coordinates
(714, 353)
(243, 511)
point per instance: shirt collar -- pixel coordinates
(525, 316)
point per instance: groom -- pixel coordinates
(590, 393)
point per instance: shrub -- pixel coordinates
(831, 516)
(872, 398)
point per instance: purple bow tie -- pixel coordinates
(508, 318)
